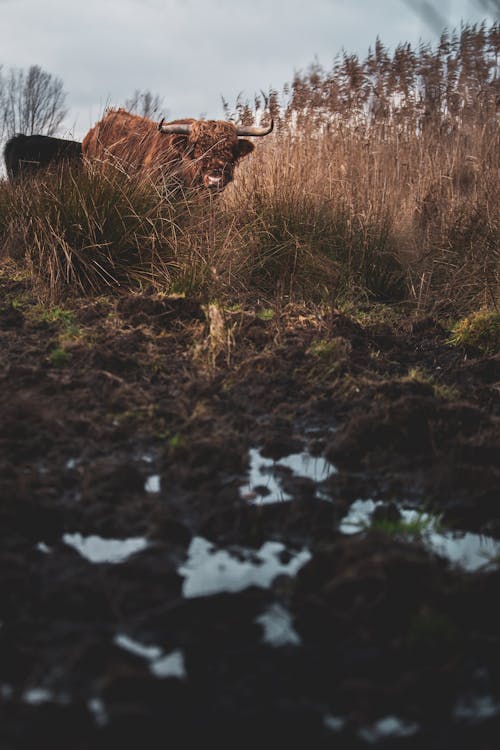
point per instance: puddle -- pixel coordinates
(262, 474)
(358, 517)
(170, 665)
(334, 723)
(469, 551)
(42, 547)
(209, 570)
(476, 708)
(152, 483)
(36, 696)
(160, 664)
(388, 727)
(278, 628)
(98, 710)
(95, 549)
(134, 647)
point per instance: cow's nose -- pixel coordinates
(215, 182)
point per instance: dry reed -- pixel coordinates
(379, 183)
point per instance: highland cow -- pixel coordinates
(201, 153)
(27, 154)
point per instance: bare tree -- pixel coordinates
(144, 103)
(31, 102)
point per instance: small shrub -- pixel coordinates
(480, 330)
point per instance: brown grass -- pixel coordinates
(380, 182)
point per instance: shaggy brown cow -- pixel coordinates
(200, 152)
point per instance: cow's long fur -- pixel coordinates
(211, 150)
(27, 154)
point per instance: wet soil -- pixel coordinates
(135, 419)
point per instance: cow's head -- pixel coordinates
(211, 149)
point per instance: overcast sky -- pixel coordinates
(192, 52)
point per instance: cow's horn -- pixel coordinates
(253, 130)
(174, 129)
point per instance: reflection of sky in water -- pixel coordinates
(278, 628)
(95, 549)
(160, 664)
(98, 710)
(476, 707)
(262, 474)
(388, 727)
(209, 570)
(152, 483)
(465, 549)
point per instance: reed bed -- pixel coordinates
(380, 183)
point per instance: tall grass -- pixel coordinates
(380, 182)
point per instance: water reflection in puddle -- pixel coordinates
(42, 547)
(278, 628)
(98, 710)
(170, 665)
(476, 708)
(388, 727)
(263, 475)
(134, 647)
(160, 664)
(209, 570)
(152, 484)
(467, 550)
(36, 696)
(95, 549)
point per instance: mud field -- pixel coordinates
(245, 529)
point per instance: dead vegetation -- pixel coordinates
(380, 183)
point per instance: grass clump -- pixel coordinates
(332, 350)
(480, 330)
(413, 527)
(64, 318)
(441, 390)
(88, 230)
(59, 357)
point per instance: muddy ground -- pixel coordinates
(157, 588)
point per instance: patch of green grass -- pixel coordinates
(480, 330)
(413, 528)
(418, 375)
(59, 357)
(175, 442)
(65, 318)
(330, 350)
(266, 314)
(374, 313)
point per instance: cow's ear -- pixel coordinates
(243, 148)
